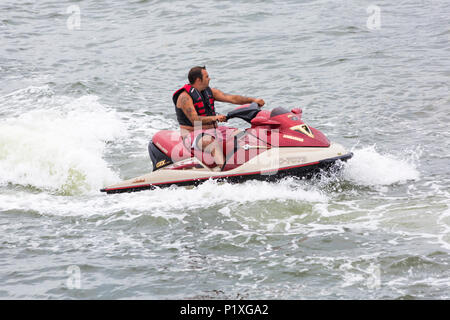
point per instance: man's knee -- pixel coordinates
(205, 142)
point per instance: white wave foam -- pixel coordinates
(370, 168)
(167, 203)
(142, 128)
(252, 191)
(57, 147)
(22, 100)
(210, 194)
(444, 222)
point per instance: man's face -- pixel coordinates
(206, 79)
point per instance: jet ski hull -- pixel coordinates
(194, 177)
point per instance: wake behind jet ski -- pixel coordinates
(278, 144)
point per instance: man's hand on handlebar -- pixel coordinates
(221, 118)
(260, 102)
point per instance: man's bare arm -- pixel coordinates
(185, 103)
(234, 98)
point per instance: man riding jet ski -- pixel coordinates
(277, 144)
(194, 107)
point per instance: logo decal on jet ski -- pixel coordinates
(247, 146)
(161, 147)
(303, 128)
(292, 137)
(292, 161)
(161, 163)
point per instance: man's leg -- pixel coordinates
(209, 144)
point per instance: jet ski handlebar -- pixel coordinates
(245, 112)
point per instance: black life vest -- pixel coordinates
(203, 103)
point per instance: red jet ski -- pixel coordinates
(277, 144)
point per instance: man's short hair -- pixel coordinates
(195, 73)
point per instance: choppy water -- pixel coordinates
(81, 95)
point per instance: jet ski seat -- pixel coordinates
(171, 147)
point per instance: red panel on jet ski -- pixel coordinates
(248, 147)
(289, 134)
(171, 144)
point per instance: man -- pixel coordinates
(194, 106)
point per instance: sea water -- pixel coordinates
(85, 85)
